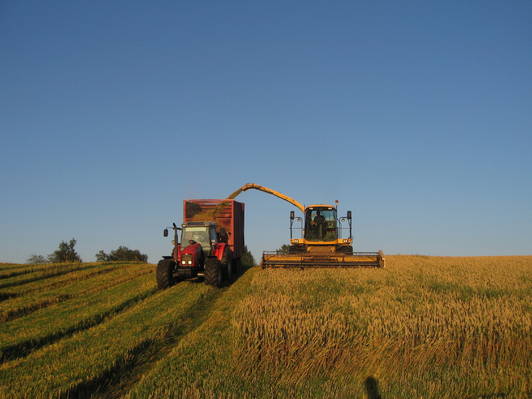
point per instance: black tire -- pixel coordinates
(227, 265)
(165, 273)
(213, 272)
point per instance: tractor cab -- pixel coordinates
(202, 233)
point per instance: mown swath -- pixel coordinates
(58, 280)
(20, 336)
(76, 284)
(8, 271)
(200, 352)
(25, 277)
(85, 361)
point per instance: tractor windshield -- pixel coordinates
(200, 234)
(320, 224)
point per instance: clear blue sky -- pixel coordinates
(415, 115)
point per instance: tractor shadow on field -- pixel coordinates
(234, 278)
(371, 385)
(227, 282)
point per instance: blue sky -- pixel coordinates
(416, 115)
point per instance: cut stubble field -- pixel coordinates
(423, 327)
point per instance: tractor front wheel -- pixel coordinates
(165, 273)
(213, 272)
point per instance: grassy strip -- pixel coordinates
(11, 271)
(107, 277)
(201, 357)
(21, 336)
(423, 327)
(6, 267)
(53, 281)
(24, 277)
(84, 362)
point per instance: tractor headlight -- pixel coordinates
(186, 259)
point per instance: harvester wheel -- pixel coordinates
(213, 272)
(165, 273)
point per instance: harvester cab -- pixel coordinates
(321, 226)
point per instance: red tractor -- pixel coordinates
(212, 241)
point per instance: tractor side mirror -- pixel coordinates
(165, 232)
(349, 216)
(292, 215)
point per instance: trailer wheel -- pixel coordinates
(236, 266)
(213, 272)
(165, 273)
(227, 265)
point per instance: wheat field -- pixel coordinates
(423, 327)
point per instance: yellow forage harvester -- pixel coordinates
(321, 244)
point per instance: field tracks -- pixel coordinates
(135, 362)
(35, 274)
(102, 298)
(123, 345)
(35, 296)
(53, 273)
(107, 359)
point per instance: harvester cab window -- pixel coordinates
(320, 224)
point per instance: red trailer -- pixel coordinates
(211, 244)
(227, 215)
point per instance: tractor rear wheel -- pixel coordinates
(165, 273)
(213, 272)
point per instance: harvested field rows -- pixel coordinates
(22, 335)
(424, 327)
(26, 274)
(74, 284)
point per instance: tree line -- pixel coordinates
(66, 252)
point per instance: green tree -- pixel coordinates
(102, 256)
(121, 253)
(36, 259)
(65, 253)
(247, 259)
